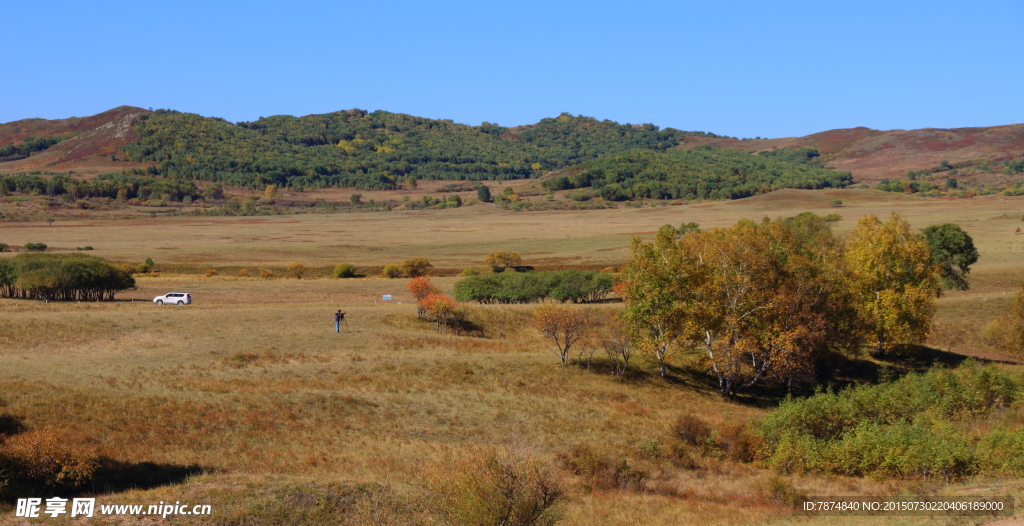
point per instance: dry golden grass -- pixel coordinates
(252, 384)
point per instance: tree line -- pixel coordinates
(67, 277)
(114, 186)
(375, 150)
(704, 172)
(14, 152)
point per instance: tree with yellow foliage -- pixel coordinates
(567, 326)
(499, 261)
(894, 280)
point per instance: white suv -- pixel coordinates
(177, 298)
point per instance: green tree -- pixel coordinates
(214, 191)
(356, 199)
(345, 270)
(483, 193)
(656, 289)
(953, 252)
(894, 279)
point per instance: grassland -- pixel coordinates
(249, 401)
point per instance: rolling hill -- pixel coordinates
(873, 155)
(380, 149)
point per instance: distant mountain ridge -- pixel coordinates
(116, 140)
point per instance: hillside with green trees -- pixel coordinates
(705, 172)
(376, 150)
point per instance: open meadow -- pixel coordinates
(249, 401)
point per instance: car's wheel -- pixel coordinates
(181, 302)
(159, 302)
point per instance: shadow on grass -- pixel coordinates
(115, 476)
(112, 476)
(834, 372)
(11, 425)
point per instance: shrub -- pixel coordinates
(739, 442)
(443, 311)
(483, 194)
(527, 287)
(266, 274)
(414, 267)
(581, 286)
(602, 473)
(210, 272)
(776, 489)
(511, 487)
(468, 271)
(345, 270)
(391, 271)
(906, 429)
(243, 273)
(1006, 333)
(693, 430)
(296, 270)
(837, 202)
(41, 458)
(35, 247)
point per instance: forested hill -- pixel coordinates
(705, 172)
(376, 150)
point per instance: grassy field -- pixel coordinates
(248, 400)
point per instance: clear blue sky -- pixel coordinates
(737, 68)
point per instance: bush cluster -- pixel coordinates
(915, 427)
(345, 270)
(576, 286)
(62, 277)
(34, 460)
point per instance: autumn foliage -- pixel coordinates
(420, 287)
(1008, 330)
(767, 299)
(443, 311)
(566, 326)
(499, 261)
(41, 458)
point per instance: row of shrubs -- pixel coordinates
(32, 247)
(576, 286)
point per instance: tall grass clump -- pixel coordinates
(919, 426)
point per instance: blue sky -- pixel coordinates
(736, 68)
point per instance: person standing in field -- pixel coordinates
(338, 318)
